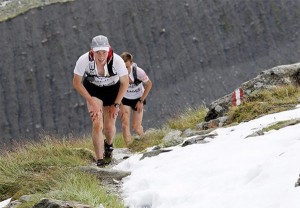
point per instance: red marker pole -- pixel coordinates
(237, 97)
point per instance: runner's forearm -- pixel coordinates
(80, 88)
(124, 82)
(147, 89)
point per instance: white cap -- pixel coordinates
(100, 43)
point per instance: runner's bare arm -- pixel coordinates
(124, 82)
(95, 108)
(148, 86)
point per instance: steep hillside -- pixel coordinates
(194, 51)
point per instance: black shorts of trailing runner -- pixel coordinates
(107, 94)
(132, 103)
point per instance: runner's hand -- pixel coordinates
(95, 110)
(114, 111)
(139, 107)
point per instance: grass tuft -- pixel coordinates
(188, 119)
(151, 138)
(265, 102)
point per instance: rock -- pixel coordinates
(198, 139)
(52, 203)
(173, 138)
(154, 153)
(276, 76)
(105, 173)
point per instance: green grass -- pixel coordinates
(48, 169)
(151, 138)
(189, 118)
(265, 102)
(72, 185)
(119, 141)
(281, 124)
(275, 126)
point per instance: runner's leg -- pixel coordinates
(137, 122)
(125, 111)
(97, 135)
(109, 125)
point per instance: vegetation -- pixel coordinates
(12, 8)
(48, 169)
(152, 138)
(265, 102)
(275, 126)
(188, 119)
(281, 124)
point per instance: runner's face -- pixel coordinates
(128, 65)
(101, 56)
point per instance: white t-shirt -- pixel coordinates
(83, 65)
(136, 91)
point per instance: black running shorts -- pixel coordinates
(131, 103)
(107, 94)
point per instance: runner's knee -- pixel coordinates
(108, 130)
(137, 128)
(125, 123)
(125, 118)
(97, 125)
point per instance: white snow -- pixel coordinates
(230, 171)
(5, 203)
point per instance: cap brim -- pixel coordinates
(101, 49)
